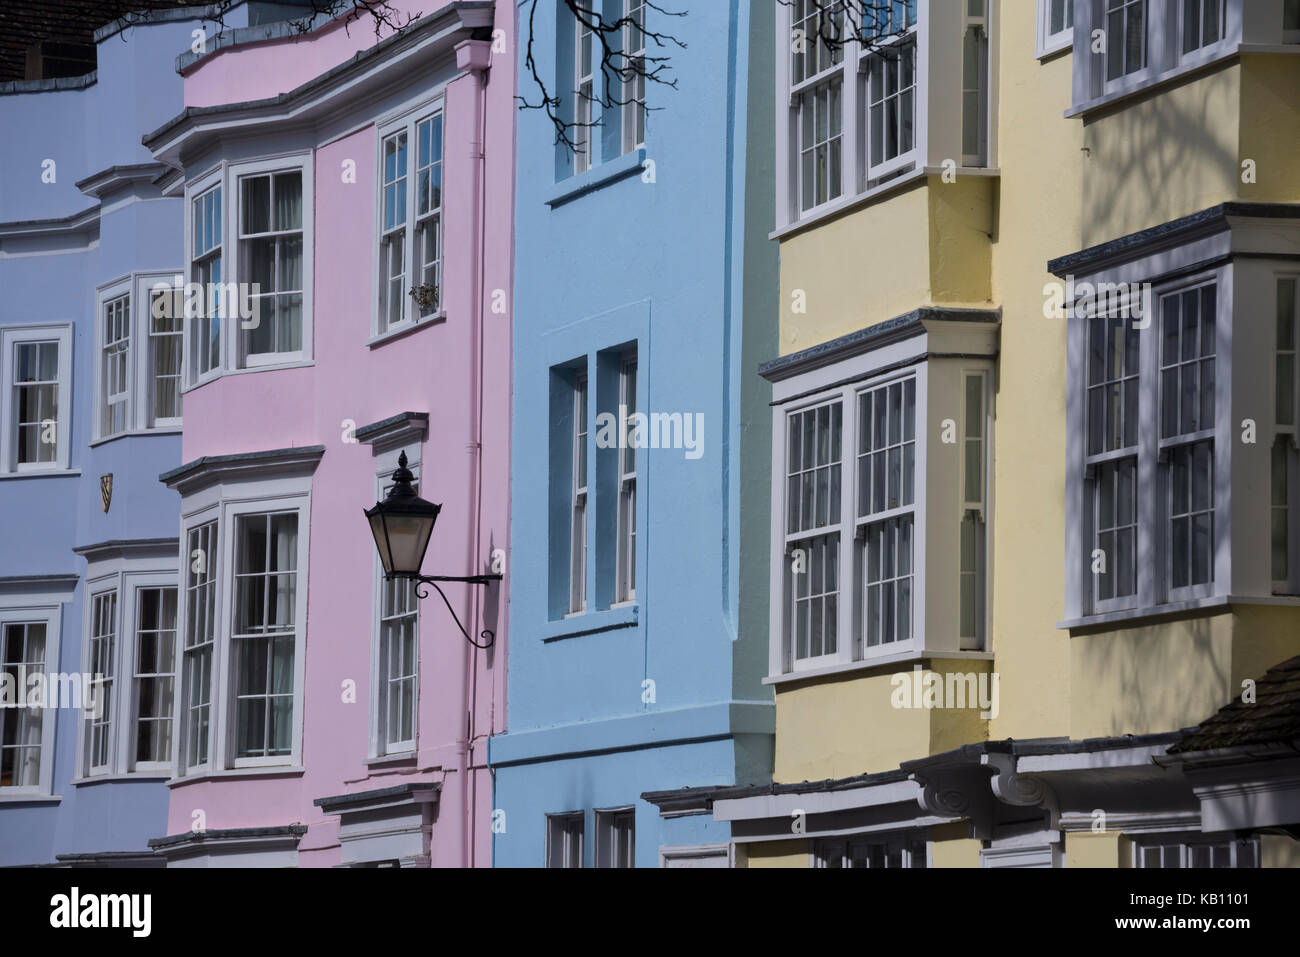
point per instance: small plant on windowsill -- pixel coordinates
(426, 297)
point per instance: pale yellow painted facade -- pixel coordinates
(1063, 184)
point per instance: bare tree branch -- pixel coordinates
(615, 38)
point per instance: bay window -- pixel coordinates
(243, 611)
(139, 343)
(858, 82)
(1183, 412)
(861, 532)
(129, 650)
(408, 261)
(253, 308)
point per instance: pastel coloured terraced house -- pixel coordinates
(1033, 519)
(644, 287)
(357, 193)
(91, 408)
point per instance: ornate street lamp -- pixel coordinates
(402, 525)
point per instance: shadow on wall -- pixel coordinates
(1164, 155)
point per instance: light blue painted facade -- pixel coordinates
(49, 274)
(660, 251)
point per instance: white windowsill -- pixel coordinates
(40, 473)
(401, 757)
(872, 663)
(1214, 605)
(124, 776)
(406, 328)
(591, 622)
(6, 798)
(137, 433)
(262, 772)
(839, 207)
(1149, 83)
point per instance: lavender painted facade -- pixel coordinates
(91, 414)
(326, 717)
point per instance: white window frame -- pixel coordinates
(556, 829)
(238, 516)
(634, 89)
(303, 164)
(194, 192)
(892, 46)
(1286, 437)
(106, 300)
(1186, 844)
(1049, 42)
(139, 398)
(580, 497)
(189, 563)
(125, 578)
(1179, 15)
(585, 140)
(102, 624)
(380, 749)
(1155, 589)
(851, 624)
(10, 338)
(827, 849)
(226, 504)
(807, 93)
(610, 850)
(408, 122)
(50, 614)
(976, 506)
(231, 333)
(1127, 76)
(625, 590)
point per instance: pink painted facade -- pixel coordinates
(456, 369)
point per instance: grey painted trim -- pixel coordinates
(893, 330)
(145, 858)
(292, 832)
(51, 85)
(259, 32)
(125, 546)
(416, 423)
(1175, 232)
(113, 178)
(81, 222)
(151, 17)
(212, 464)
(362, 800)
(274, 107)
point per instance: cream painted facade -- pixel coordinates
(1120, 178)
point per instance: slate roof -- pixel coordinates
(1273, 718)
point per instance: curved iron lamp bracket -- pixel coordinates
(488, 636)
